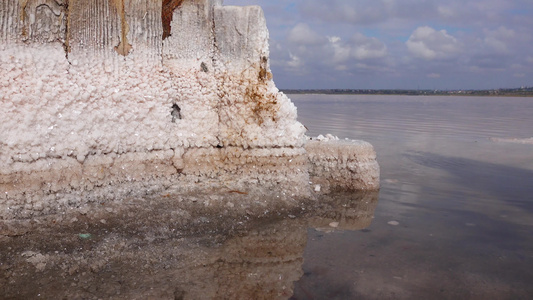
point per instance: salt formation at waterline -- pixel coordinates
(97, 107)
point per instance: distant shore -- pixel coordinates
(513, 92)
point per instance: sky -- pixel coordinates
(399, 44)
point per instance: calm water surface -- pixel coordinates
(455, 212)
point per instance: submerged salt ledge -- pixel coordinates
(91, 125)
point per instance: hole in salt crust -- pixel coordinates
(204, 67)
(175, 113)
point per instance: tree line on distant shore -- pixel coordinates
(522, 91)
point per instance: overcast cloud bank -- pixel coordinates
(408, 44)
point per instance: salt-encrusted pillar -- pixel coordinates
(253, 113)
(33, 75)
(118, 81)
(188, 55)
(259, 137)
(96, 105)
(85, 104)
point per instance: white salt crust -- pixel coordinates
(89, 124)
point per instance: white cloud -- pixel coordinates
(295, 61)
(499, 39)
(367, 47)
(334, 39)
(302, 34)
(433, 75)
(359, 47)
(496, 44)
(341, 51)
(446, 12)
(428, 43)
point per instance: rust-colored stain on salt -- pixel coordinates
(166, 15)
(124, 47)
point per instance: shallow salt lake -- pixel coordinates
(455, 213)
(453, 220)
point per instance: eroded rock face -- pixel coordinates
(108, 98)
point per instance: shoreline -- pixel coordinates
(460, 93)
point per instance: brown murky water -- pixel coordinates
(455, 213)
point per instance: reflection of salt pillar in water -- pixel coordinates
(256, 260)
(344, 211)
(267, 261)
(264, 263)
